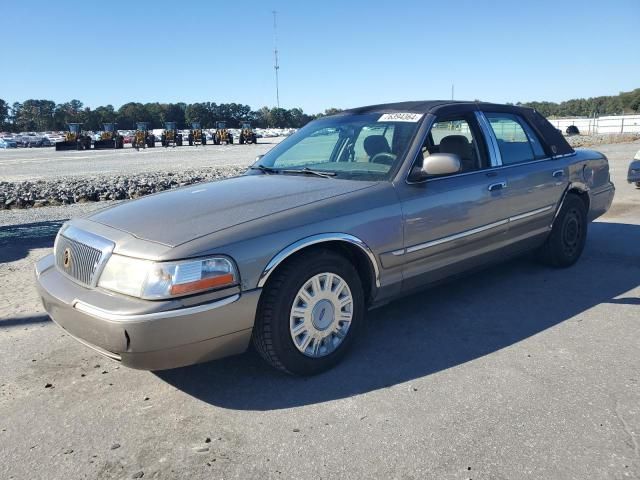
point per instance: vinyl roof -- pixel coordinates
(427, 106)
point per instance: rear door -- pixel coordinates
(535, 182)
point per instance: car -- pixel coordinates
(30, 141)
(634, 170)
(349, 213)
(572, 130)
(8, 143)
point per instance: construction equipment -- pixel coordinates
(74, 139)
(222, 135)
(196, 135)
(171, 137)
(143, 138)
(247, 135)
(109, 138)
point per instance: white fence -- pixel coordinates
(614, 124)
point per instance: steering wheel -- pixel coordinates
(384, 157)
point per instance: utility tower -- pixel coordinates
(276, 66)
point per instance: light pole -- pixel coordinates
(275, 54)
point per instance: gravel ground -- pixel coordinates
(518, 371)
(41, 177)
(144, 172)
(29, 164)
(601, 139)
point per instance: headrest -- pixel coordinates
(375, 144)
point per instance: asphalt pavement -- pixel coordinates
(517, 371)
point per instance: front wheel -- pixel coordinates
(310, 313)
(568, 235)
(637, 184)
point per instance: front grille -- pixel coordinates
(77, 260)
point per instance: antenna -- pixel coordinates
(452, 89)
(275, 54)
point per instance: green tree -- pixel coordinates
(4, 115)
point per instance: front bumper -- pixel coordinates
(142, 334)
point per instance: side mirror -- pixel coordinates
(440, 164)
(259, 157)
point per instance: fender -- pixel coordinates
(573, 186)
(314, 240)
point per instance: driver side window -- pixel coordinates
(455, 136)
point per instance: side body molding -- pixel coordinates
(313, 240)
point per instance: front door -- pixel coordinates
(452, 221)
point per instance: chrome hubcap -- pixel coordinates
(321, 314)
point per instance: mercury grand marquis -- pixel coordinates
(349, 213)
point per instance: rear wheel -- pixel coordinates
(568, 235)
(637, 184)
(310, 313)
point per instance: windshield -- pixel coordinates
(366, 146)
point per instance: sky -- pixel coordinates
(332, 53)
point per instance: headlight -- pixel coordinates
(153, 281)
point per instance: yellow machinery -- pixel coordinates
(247, 135)
(143, 138)
(109, 138)
(74, 139)
(196, 135)
(171, 137)
(222, 135)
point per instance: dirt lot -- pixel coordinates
(517, 371)
(44, 163)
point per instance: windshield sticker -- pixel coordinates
(400, 117)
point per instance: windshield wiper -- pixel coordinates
(309, 171)
(264, 168)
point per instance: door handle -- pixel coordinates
(558, 173)
(497, 186)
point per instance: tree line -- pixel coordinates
(624, 102)
(46, 115)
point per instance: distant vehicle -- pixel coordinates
(47, 142)
(109, 138)
(222, 135)
(75, 139)
(572, 130)
(196, 135)
(171, 137)
(8, 143)
(143, 138)
(634, 170)
(247, 135)
(32, 141)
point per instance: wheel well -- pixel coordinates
(351, 253)
(582, 195)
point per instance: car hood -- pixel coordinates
(178, 216)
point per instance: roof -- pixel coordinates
(556, 144)
(432, 106)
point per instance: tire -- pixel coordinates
(272, 335)
(637, 184)
(241, 140)
(568, 235)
